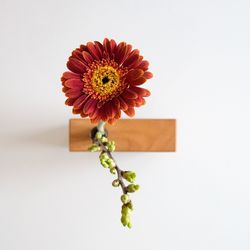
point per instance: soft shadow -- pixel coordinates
(57, 136)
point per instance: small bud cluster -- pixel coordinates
(127, 208)
(107, 162)
(103, 145)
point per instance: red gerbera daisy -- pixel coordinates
(104, 79)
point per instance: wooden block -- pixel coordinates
(137, 135)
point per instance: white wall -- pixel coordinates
(195, 199)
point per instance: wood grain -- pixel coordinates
(137, 135)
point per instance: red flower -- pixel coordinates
(104, 79)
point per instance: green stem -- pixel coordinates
(100, 127)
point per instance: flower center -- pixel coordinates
(105, 80)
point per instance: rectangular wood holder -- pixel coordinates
(135, 135)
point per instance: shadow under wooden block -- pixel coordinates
(137, 135)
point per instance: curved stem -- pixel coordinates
(104, 149)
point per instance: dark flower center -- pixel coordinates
(105, 80)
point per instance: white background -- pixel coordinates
(195, 199)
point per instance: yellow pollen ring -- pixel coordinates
(105, 80)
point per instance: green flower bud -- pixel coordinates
(90, 148)
(111, 146)
(104, 139)
(130, 205)
(94, 148)
(111, 163)
(104, 164)
(112, 170)
(129, 224)
(126, 210)
(104, 156)
(129, 176)
(116, 183)
(125, 220)
(125, 198)
(132, 188)
(98, 135)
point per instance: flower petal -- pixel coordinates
(112, 121)
(94, 113)
(139, 101)
(68, 75)
(116, 103)
(93, 51)
(73, 93)
(138, 81)
(130, 111)
(130, 60)
(95, 120)
(70, 101)
(123, 104)
(90, 106)
(80, 101)
(134, 52)
(99, 48)
(143, 65)
(77, 53)
(118, 114)
(103, 114)
(140, 91)
(120, 53)
(134, 74)
(107, 47)
(83, 115)
(135, 63)
(110, 111)
(74, 83)
(83, 48)
(113, 46)
(129, 94)
(129, 49)
(87, 57)
(76, 111)
(115, 106)
(65, 89)
(147, 75)
(100, 104)
(129, 102)
(76, 65)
